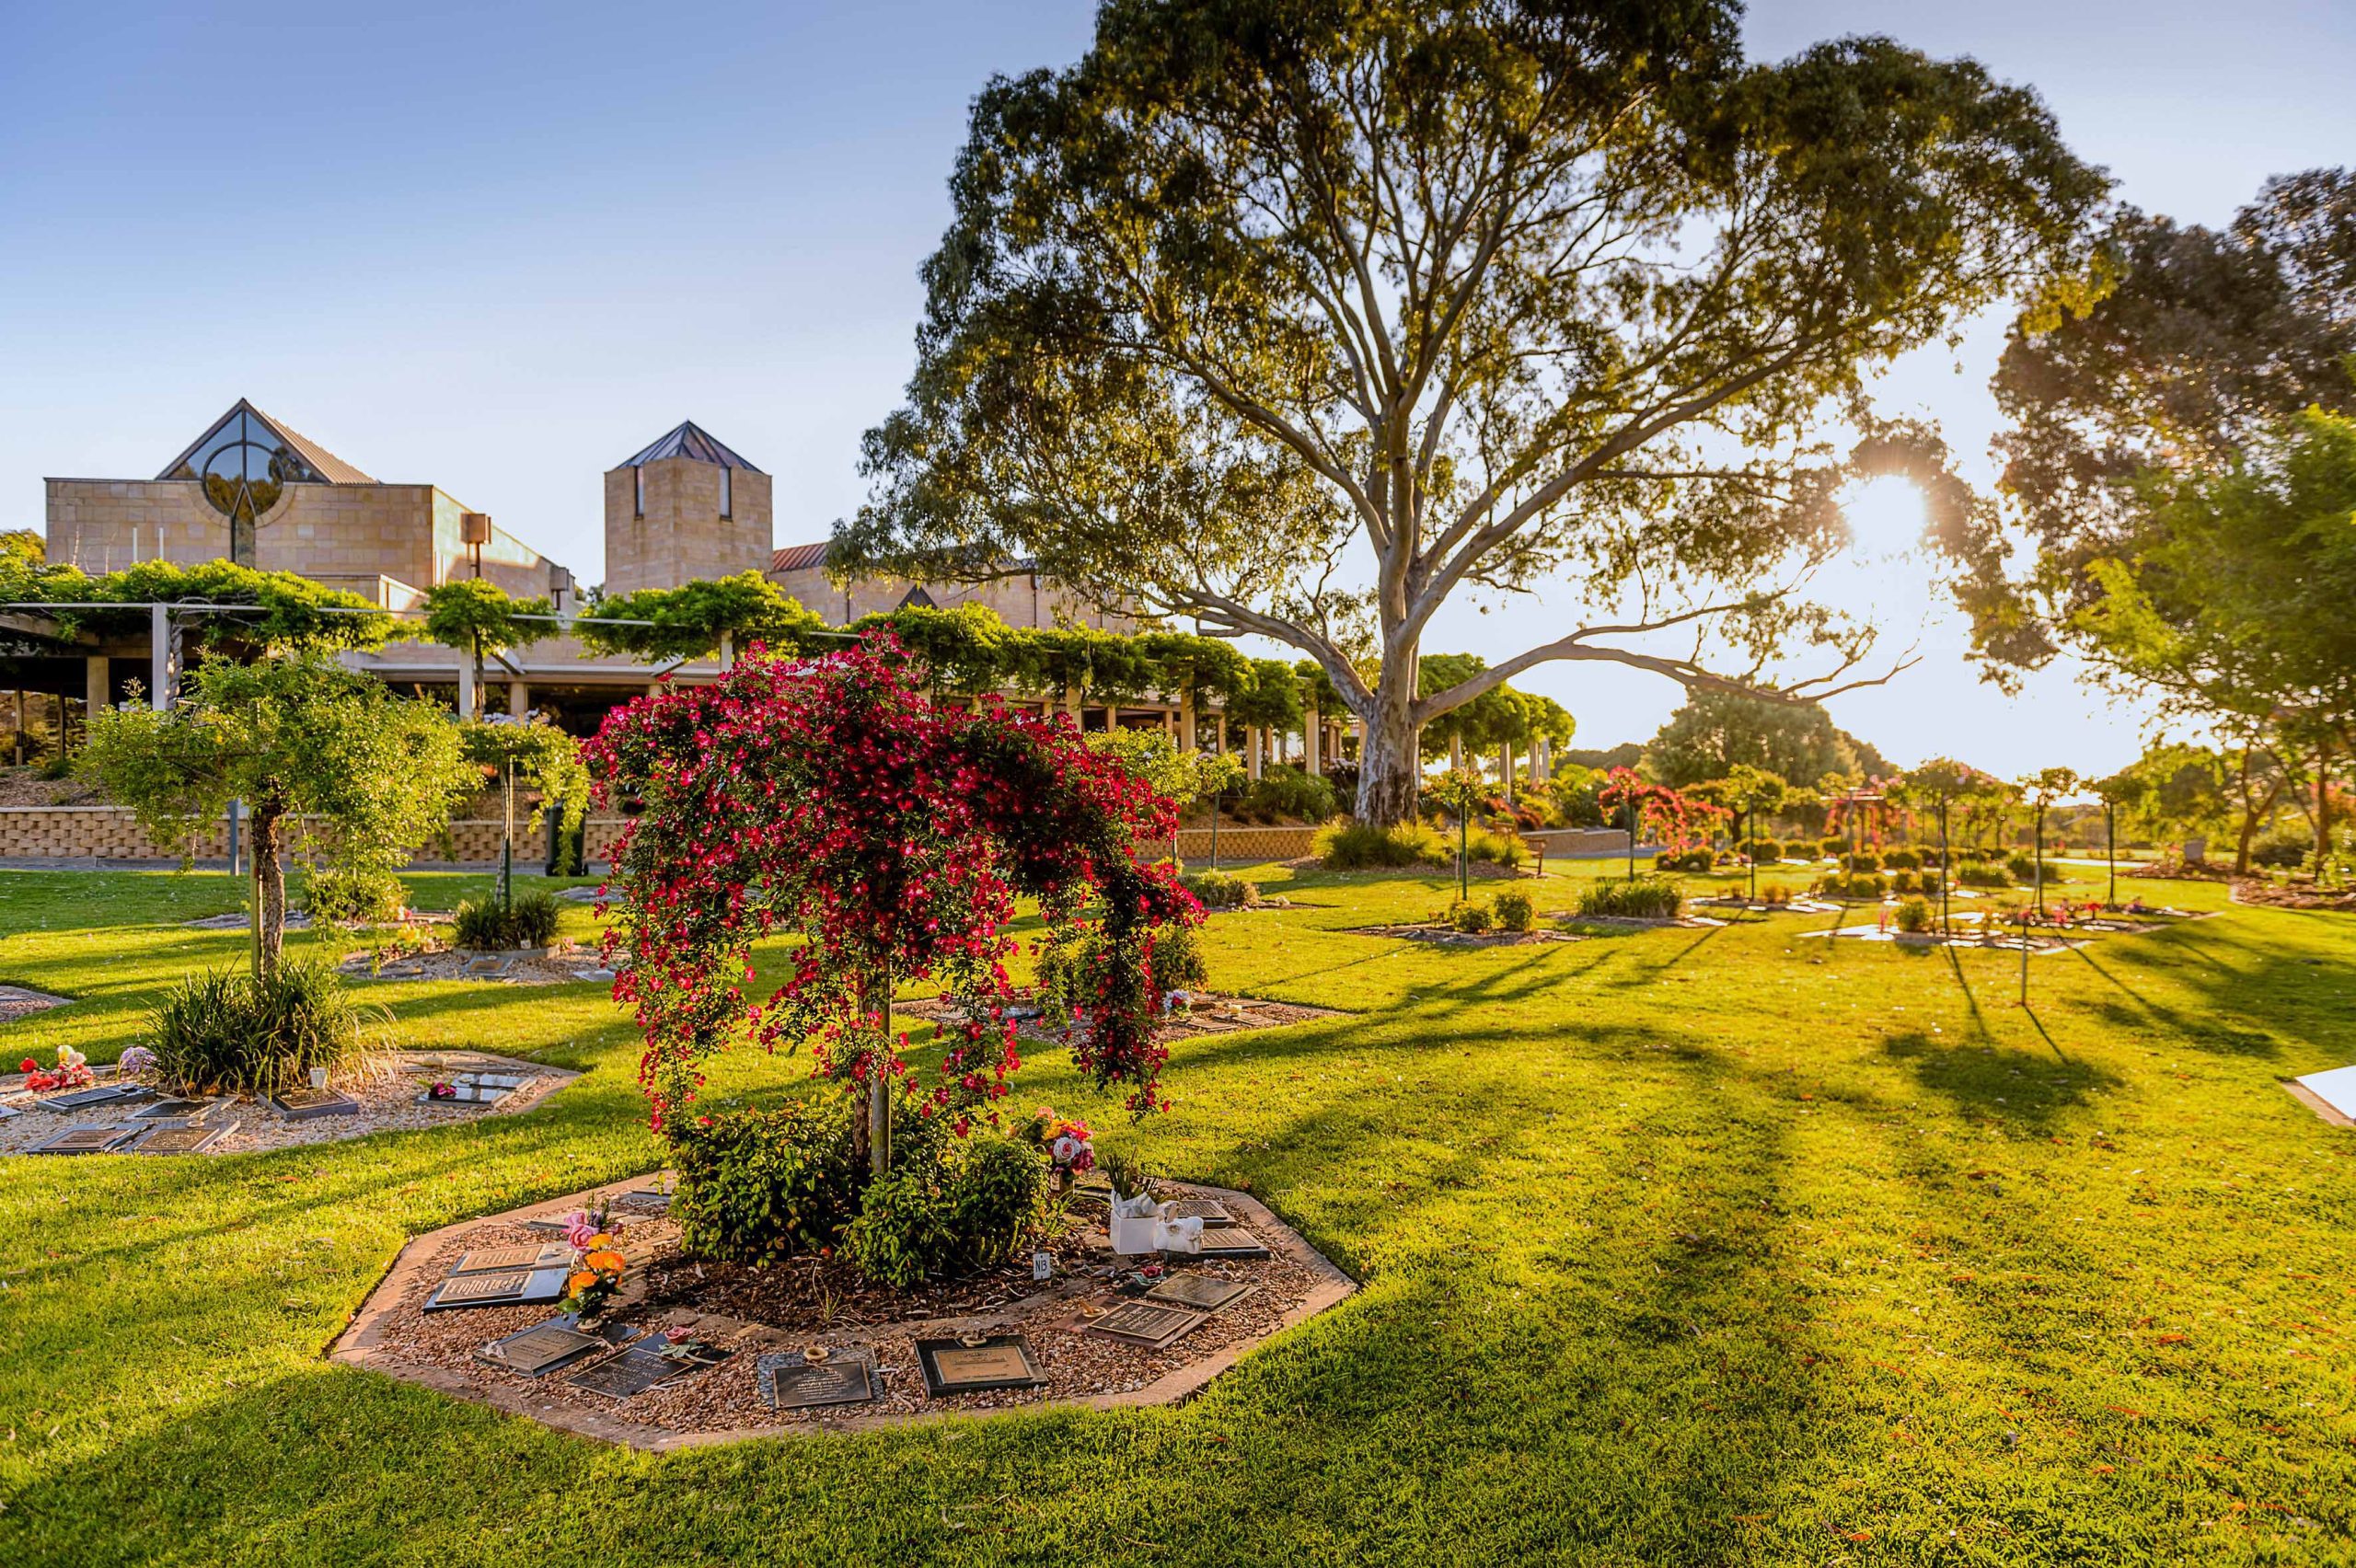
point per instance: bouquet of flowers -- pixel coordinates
(73, 1071)
(1068, 1142)
(597, 1266)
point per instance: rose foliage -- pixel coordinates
(1667, 816)
(830, 798)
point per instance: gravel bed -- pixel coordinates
(1205, 1013)
(386, 1087)
(792, 1306)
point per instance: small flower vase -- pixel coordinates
(1062, 1180)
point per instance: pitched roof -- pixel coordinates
(331, 468)
(690, 440)
(800, 557)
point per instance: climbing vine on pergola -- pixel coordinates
(832, 799)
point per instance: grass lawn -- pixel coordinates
(1684, 1246)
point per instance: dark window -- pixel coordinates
(638, 477)
(727, 491)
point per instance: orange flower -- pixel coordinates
(600, 1239)
(579, 1281)
(607, 1261)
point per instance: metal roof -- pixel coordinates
(799, 558)
(690, 440)
(330, 467)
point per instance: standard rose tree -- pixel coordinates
(834, 800)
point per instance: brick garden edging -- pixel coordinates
(100, 835)
(363, 1343)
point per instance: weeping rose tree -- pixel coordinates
(832, 800)
(1664, 815)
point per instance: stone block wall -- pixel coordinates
(681, 534)
(110, 833)
(1249, 844)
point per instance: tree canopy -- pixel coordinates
(692, 620)
(1304, 321)
(1714, 731)
(305, 744)
(260, 612)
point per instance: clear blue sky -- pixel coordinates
(499, 248)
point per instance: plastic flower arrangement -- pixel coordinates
(1068, 1144)
(136, 1061)
(833, 799)
(597, 1267)
(73, 1071)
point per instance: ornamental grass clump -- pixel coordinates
(484, 925)
(224, 1031)
(1368, 847)
(1637, 898)
(1216, 890)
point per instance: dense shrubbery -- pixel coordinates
(1498, 848)
(758, 1186)
(1914, 916)
(365, 898)
(1764, 851)
(1514, 909)
(1684, 861)
(1638, 898)
(1363, 847)
(1900, 861)
(2281, 852)
(1284, 792)
(1861, 861)
(1924, 882)
(1216, 890)
(224, 1031)
(1469, 915)
(1982, 874)
(1853, 885)
(1775, 894)
(482, 924)
(1067, 962)
(1832, 847)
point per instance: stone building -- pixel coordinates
(252, 490)
(685, 507)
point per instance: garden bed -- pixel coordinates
(788, 1308)
(1204, 1012)
(1639, 922)
(1750, 906)
(562, 965)
(383, 1093)
(2291, 895)
(23, 1001)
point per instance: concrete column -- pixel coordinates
(1071, 702)
(159, 658)
(96, 688)
(1542, 761)
(1252, 748)
(1221, 721)
(1504, 767)
(1112, 720)
(519, 698)
(467, 687)
(727, 651)
(1312, 730)
(1186, 741)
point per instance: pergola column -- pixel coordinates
(98, 687)
(519, 699)
(1312, 730)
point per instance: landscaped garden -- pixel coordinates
(1672, 1244)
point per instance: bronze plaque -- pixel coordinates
(104, 1094)
(1232, 1241)
(188, 1135)
(538, 1351)
(84, 1140)
(175, 1109)
(495, 1259)
(513, 1287)
(1204, 1293)
(952, 1366)
(1140, 1322)
(302, 1104)
(794, 1383)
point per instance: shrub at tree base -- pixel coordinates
(2278, 851)
(1832, 847)
(1853, 885)
(1286, 791)
(1363, 847)
(1764, 851)
(1914, 916)
(1513, 909)
(1639, 898)
(1684, 861)
(757, 1186)
(1982, 874)
(224, 1030)
(1504, 850)
(1216, 890)
(1861, 861)
(1469, 915)
(1775, 894)
(482, 924)
(354, 897)
(1899, 861)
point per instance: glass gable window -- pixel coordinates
(638, 507)
(244, 467)
(727, 492)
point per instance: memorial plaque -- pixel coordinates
(7, 1110)
(486, 968)
(187, 1135)
(1001, 1361)
(175, 1110)
(1204, 1293)
(84, 1140)
(1211, 1211)
(645, 1200)
(302, 1104)
(641, 1368)
(1232, 1241)
(515, 1288)
(1139, 1323)
(542, 1349)
(105, 1094)
(794, 1382)
(499, 1260)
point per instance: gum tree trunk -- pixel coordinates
(1391, 772)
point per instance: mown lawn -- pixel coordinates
(1731, 1246)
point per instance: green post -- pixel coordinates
(2110, 846)
(1463, 874)
(507, 847)
(1630, 809)
(1749, 843)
